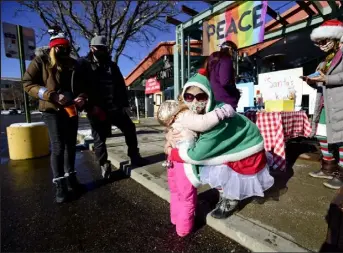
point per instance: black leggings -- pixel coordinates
(63, 133)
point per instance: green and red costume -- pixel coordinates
(235, 142)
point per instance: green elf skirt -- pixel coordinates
(321, 128)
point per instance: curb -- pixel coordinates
(149, 181)
(245, 232)
(252, 236)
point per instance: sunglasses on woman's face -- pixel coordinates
(320, 42)
(64, 50)
(201, 97)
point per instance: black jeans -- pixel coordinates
(63, 133)
(102, 129)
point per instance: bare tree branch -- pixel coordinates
(61, 9)
(119, 21)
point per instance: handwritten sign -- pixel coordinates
(280, 84)
(152, 86)
(244, 25)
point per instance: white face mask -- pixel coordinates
(328, 46)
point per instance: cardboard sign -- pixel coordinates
(152, 85)
(244, 25)
(279, 84)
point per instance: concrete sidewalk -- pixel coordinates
(290, 218)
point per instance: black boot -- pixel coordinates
(337, 181)
(74, 184)
(224, 208)
(106, 170)
(61, 189)
(137, 160)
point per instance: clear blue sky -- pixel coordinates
(10, 67)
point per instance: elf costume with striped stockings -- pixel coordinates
(327, 118)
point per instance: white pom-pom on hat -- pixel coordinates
(331, 29)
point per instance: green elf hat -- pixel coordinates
(201, 81)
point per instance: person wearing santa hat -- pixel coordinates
(54, 78)
(327, 122)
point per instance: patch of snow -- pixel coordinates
(85, 132)
(28, 124)
(36, 112)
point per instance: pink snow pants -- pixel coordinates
(183, 199)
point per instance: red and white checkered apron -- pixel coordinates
(277, 128)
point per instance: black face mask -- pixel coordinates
(101, 54)
(63, 52)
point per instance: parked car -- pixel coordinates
(13, 111)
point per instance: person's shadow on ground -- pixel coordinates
(334, 219)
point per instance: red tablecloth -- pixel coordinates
(277, 128)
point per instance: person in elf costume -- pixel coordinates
(231, 155)
(327, 122)
(176, 115)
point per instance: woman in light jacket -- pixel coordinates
(328, 117)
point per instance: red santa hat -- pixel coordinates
(58, 39)
(330, 29)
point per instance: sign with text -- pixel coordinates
(247, 96)
(11, 41)
(152, 85)
(165, 73)
(281, 84)
(244, 25)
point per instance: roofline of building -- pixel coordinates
(163, 43)
(249, 50)
(162, 48)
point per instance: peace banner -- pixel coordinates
(244, 25)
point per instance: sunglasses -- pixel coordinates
(100, 48)
(201, 97)
(64, 50)
(321, 42)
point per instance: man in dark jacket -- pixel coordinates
(108, 104)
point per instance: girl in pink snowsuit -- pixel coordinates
(183, 194)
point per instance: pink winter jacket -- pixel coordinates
(189, 124)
